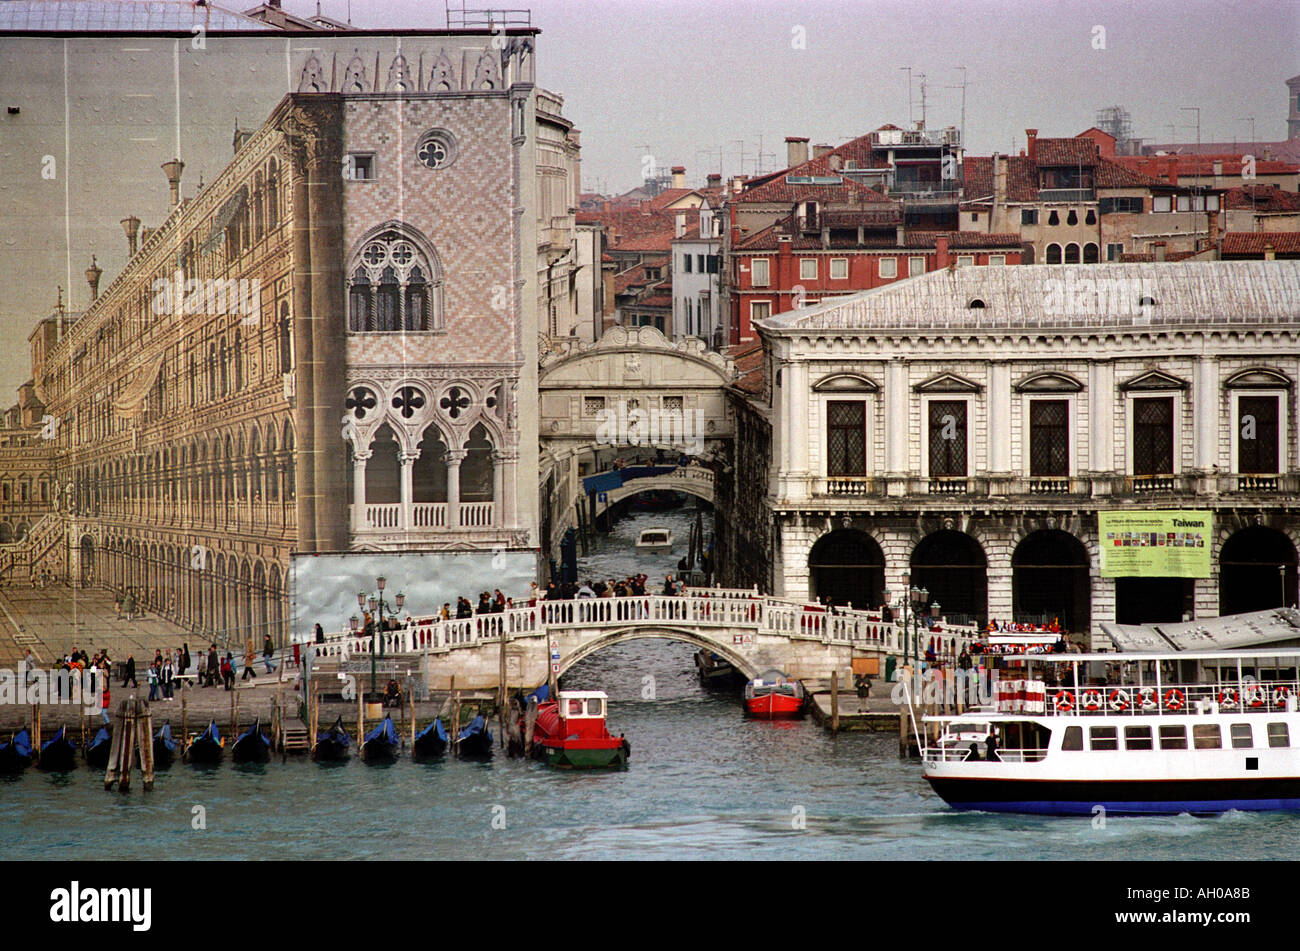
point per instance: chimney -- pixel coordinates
(1031, 140)
(715, 180)
(1158, 250)
(145, 234)
(796, 150)
(999, 179)
(900, 236)
(1270, 252)
(173, 171)
(93, 274)
(679, 176)
(819, 150)
(680, 230)
(941, 256)
(131, 226)
(1212, 219)
(737, 184)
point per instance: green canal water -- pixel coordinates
(703, 783)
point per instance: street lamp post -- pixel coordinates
(376, 605)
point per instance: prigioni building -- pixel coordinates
(1030, 443)
(332, 347)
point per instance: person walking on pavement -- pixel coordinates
(268, 651)
(128, 676)
(250, 658)
(214, 666)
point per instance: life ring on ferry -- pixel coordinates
(1255, 697)
(1062, 701)
(1280, 695)
(1149, 698)
(1119, 699)
(1174, 699)
(1092, 700)
(1229, 697)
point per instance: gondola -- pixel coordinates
(475, 740)
(58, 753)
(252, 746)
(97, 750)
(332, 745)
(431, 741)
(164, 747)
(16, 755)
(207, 747)
(380, 745)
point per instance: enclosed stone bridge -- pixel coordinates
(753, 632)
(620, 484)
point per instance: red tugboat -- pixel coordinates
(571, 732)
(774, 696)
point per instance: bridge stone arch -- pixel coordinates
(669, 632)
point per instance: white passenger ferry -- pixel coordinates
(1135, 734)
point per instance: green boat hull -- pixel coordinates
(586, 759)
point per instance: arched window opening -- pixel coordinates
(394, 286)
(476, 470)
(383, 469)
(429, 472)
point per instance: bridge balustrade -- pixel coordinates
(733, 609)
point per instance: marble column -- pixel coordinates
(454, 458)
(359, 460)
(406, 514)
(1000, 419)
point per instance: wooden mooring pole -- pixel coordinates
(835, 701)
(144, 740)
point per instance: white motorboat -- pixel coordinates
(655, 539)
(1162, 734)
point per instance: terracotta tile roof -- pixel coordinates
(1262, 198)
(1169, 167)
(748, 358)
(657, 299)
(964, 240)
(669, 195)
(777, 190)
(1111, 174)
(1022, 178)
(1287, 151)
(1254, 242)
(769, 240)
(1066, 152)
(635, 276)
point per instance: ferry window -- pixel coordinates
(1137, 738)
(1205, 736)
(1073, 738)
(1173, 737)
(1103, 738)
(575, 708)
(1277, 735)
(1241, 738)
(593, 708)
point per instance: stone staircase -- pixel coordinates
(41, 548)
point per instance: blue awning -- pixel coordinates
(603, 482)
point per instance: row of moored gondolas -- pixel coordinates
(380, 745)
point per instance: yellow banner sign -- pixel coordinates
(1155, 544)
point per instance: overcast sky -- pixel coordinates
(686, 78)
(704, 84)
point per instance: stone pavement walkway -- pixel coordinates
(55, 619)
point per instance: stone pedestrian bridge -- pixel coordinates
(753, 632)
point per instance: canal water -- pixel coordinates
(702, 783)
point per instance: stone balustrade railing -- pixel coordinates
(736, 610)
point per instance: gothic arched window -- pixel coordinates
(272, 197)
(395, 285)
(286, 347)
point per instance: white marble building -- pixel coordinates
(969, 425)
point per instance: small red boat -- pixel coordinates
(774, 696)
(572, 733)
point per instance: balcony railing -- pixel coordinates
(1066, 194)
(879, 486)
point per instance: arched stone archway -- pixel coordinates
(1257, 571)
(684, 635)
(848, 567)
(953, 567)
(1050, 578)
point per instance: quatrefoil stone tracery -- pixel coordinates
(454, 402)
(360, 401)
(408, 401)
